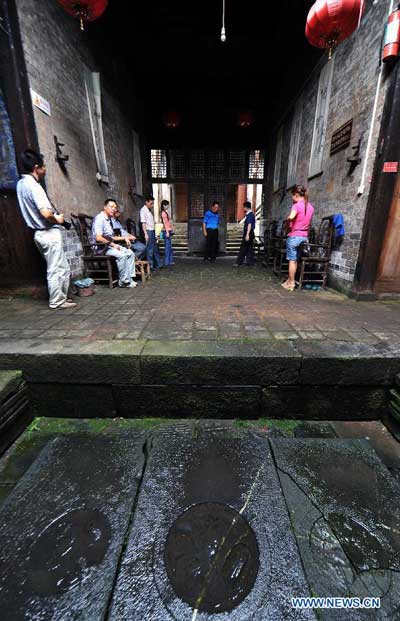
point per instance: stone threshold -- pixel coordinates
(278, 379)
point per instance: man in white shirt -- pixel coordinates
(147, 220)
(42, 218)
(103, 233)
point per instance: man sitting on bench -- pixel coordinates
(137, 246)
(104, 235)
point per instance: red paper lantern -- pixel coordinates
(245, 119)
(84, 10)
(331, 21)
(171, 119)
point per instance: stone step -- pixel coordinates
(15, 407)
(322, 380)
(77, 499)
(335, 491)
(231, 488)
(107, 523)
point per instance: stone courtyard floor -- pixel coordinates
(115, 519)
(197, 301)
(124, 500)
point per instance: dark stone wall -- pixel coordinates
(56, 53)
(355, 78)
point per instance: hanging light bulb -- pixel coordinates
(223, 32)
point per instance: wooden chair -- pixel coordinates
(270, 243)
(101, 268)
(313, 269)
(280, 263)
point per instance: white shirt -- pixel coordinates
(147, 218)
(32, 199)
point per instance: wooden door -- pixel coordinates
(20, 261)
(388, 280)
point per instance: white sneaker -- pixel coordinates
(132, 285)
(66, 305)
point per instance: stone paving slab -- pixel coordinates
(378, 436)
(349, 363)
(251, 363)
(63, 526)
(202, 326)
(64, 361)
(345, 511)
(187, 468)
(205, 302)
(325, 402)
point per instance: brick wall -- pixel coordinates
(355, 78)
(56, 54)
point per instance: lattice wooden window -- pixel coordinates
(216, 165)
(256, 164)
(197, 200)
(158, 163)
(197, 165)
(237, 165)
(178, 164)
(216, 192)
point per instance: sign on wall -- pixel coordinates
(341, 137)
(321, 118)
(8, 167)
(295, 142)
(278, 160)
(390, 167)
(40, 102)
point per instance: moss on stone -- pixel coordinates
(287, 426)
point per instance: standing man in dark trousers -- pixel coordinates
(210, 230)
(148, 226)
(246, 250)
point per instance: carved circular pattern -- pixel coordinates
(65, 550)
(211, 557)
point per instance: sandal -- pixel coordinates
(288, 287)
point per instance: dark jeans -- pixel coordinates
(139, 249)
(153, 255)
(212, 244)
(246, 251)
(168, 254)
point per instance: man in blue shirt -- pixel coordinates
(210, 230)
(103, 234)
(138, 248)
(246, 250)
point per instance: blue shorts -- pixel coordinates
(292, 247)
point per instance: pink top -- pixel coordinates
(299, 227)
(166, 221)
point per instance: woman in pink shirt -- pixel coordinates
(299, 220)
(168, 232)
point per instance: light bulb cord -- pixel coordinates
(223, 33)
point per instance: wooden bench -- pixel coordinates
(101, 267)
